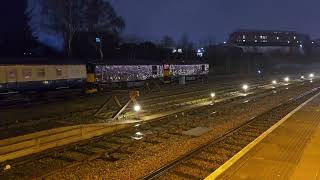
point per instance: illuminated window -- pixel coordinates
(243, 36)
(41, 72)
(26, 73)
(59, 72)
(12, 73)
(263, 37)
(294, 37)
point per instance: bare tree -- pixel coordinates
(101, 17)
(186, 45)
(63, 17)
(167, 42)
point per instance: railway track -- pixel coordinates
(203, 160)
(112, 148)
(198, 94)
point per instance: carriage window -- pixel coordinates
(154, 70)
(12, 73)
(41, 72)
(59, 72)
(26, 73)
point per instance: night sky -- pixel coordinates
(201, 19)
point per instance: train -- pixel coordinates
(39, 76)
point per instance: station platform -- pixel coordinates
(288, 150)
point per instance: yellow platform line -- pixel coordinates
(245, 150)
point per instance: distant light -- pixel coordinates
(179, 50)
(45, 82)
(245, 87)
(312, 42)
(311, 75)
(288, 42)
(213, 95)
(98, 40)
(274, 82)
(286, 79)
(224, 42)
(259, 71)
(302, 77)
(137, 108)
(174, 51)
(301, 45)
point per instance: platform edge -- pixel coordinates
(251, 145)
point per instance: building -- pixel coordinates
(284, 42)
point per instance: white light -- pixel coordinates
(245, 87)
(311, 75)
(213, 95)
(139, 133)
(312, 42)
(286, 79)
(224, 42)
(274, 82)
(137, 108)
(301, 45)
(259, 72)
(302, 77)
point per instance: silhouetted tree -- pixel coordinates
(101, 18)
(16, 38)
(167, 42)
(63, 17)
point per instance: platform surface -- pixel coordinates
(290, 151)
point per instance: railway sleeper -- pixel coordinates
(82, 151)
(64, 158)
(193, 165)
(207, 160)
(184, 175)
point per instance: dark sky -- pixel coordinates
(202, 19)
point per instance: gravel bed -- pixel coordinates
(152, 157)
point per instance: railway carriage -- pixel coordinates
(40, 77)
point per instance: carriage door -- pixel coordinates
(12, 76)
